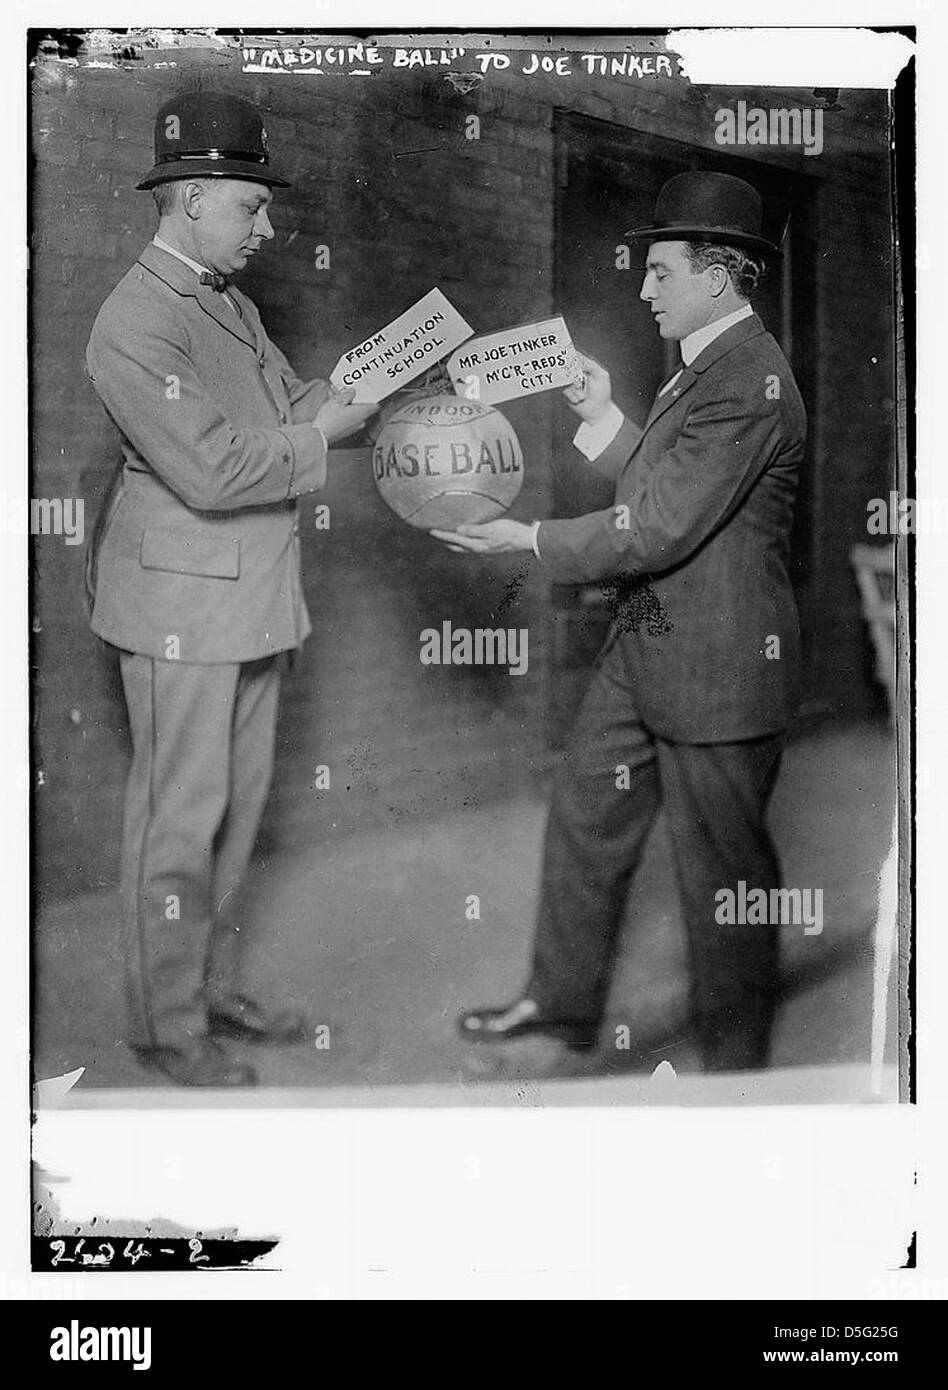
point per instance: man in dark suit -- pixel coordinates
(697, 682)
(197, 577)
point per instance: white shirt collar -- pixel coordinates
(696, 342)
(195, 266)
(163, 246)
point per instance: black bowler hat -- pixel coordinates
(708, 207)
(206, 134)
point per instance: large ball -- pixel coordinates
(441, 461)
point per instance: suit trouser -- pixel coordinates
(202, 761)
(715, 798)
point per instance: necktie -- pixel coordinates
(221, 284)
(671, 381)
(216, 282)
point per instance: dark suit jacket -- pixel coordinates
(709, 484)
(201, 539)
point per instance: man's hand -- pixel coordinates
(593, 396)
(337, 417)
(490, 538)
(436, 382)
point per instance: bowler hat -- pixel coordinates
(704, 206)
(208, 134)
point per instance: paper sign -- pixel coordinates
(405, 348)
(516, 362)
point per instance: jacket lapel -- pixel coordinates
(724, 343)
(182, 279)
(663, 403)
(212, 302)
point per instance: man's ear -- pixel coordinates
(718, 280)
(192, 199)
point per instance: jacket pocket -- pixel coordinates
(191, 552)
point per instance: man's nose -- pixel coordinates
(646, 292)
(263, 226)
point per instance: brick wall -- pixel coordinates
(384, 176)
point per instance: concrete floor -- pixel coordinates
(369, 934)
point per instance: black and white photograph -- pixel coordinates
(471, 520)
(468, 656)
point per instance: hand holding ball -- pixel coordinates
(444, 461)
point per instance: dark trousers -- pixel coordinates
(203, 742)
(715, 798)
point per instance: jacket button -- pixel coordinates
(283, 417)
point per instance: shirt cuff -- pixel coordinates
(534, 529)
(592, 440)
(308, 462)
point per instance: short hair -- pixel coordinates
(745, 270)
(166, 194)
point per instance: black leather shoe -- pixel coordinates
(522, 1018)
(202, 1063)
(244, 1019)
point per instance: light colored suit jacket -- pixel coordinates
(200, 542)
(698, 563)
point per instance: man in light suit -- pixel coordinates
(697, 682)
(197, 577)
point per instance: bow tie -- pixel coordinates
(216, 282)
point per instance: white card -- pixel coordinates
(516, 362)
(405, 348)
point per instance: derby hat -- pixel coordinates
(207, 135)
(704, 206)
